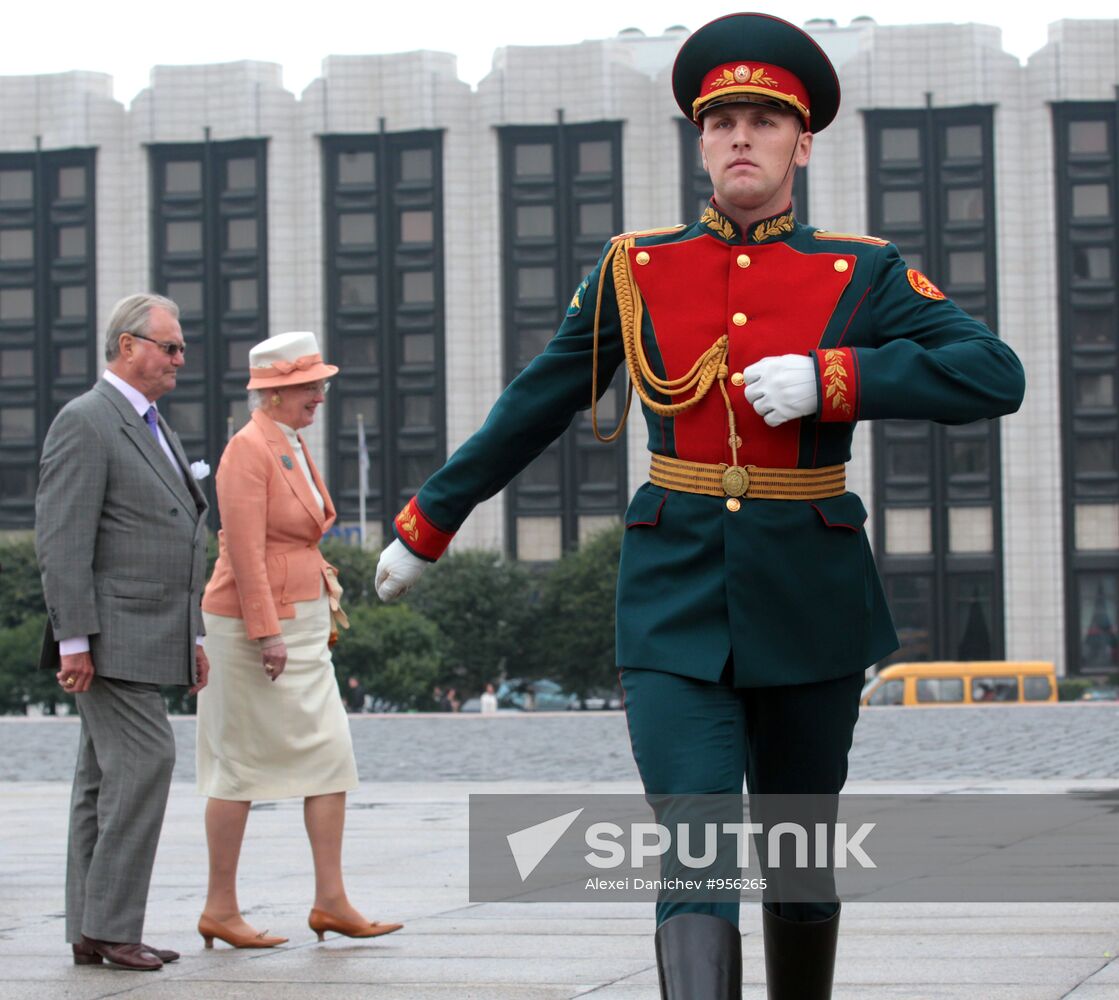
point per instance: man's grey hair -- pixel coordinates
(132, 315)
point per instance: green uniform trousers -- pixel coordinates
(693, 737)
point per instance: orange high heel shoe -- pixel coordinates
(210, 929)
(320, 922)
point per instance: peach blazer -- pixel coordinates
(268, 555)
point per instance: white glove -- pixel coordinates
(397, 571)
(782, 388)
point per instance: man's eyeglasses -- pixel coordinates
(168, 347)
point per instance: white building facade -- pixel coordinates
(432, 235)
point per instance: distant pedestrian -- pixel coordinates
(355, 695)
(489, 701)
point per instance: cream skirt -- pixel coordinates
(262, 739)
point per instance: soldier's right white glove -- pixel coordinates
(397, 571)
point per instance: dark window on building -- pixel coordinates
(209, 254)
(48, 315)
(384, 316)
(1087, 169)
(937, 496)
(695, 188)
(561, 202)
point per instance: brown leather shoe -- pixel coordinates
(85, 956)
(127, 955)
(320, 922)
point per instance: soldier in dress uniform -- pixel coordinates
(748, 601)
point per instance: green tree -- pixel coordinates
(21, 682)
(21, 588)
(482, 603)
(179, 701)
(22, 622)
(357, 569)
(394, 651)
(573, 636)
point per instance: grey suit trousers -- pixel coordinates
(123, 775)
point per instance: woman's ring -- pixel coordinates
(69, 682)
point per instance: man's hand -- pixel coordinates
(397, 571)
(202, 666)
(782, 388)
(76, 674)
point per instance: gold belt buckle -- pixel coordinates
(736, 481)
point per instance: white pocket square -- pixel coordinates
(199, 469)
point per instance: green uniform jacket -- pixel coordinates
(788, 587)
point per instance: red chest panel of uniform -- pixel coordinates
(768, 300)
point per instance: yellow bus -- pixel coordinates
(979, 682)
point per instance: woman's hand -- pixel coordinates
(273, 655)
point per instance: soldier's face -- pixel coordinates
(749, 151)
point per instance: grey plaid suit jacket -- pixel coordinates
(121, 542)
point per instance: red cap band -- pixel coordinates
(725, 82)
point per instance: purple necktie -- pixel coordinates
(151, 418)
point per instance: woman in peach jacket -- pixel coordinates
(271, 724)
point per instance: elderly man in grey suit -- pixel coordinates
(121, 537)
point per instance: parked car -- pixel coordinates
(535, 696)
(602, 699)
(1101, 693)
(963, 683)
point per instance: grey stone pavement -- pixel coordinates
(406, 847)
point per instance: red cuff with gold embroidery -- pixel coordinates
(419, 535)
(839, 384)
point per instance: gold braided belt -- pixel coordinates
(749, 481)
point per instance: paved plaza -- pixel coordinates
(406, 860)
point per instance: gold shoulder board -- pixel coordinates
(823, 234)
(645, 232)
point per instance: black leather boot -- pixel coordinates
(699, 957)
(799, 957)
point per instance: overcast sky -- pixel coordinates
(125, 38)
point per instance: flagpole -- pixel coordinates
(362, 474)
